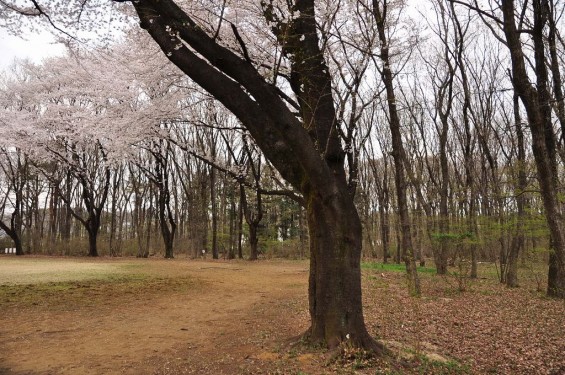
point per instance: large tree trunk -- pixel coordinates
(335, 273)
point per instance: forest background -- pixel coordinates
(138, 160)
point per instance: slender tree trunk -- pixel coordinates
(442, 253)
(148, 220)
(471, 227)
(397, 151)
(214, 203)
(67, 215)
(53, 213)
(116, 181)
(232, 234)
(555, 67)
(240, 223)
(383, 199)
(203, 211)
(385, 232)
(518, 239)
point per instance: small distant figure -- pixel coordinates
(203, 253)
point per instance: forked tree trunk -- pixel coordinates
(294, 145)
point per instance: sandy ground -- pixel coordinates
(196, 317)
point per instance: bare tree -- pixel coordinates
(381, 11)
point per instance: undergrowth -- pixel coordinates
(394, 267)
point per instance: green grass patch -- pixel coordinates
(393, 267)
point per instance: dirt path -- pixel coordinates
(194, 317)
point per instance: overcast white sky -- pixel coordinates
(34, 46)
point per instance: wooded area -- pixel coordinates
(429, 132)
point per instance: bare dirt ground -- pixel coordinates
(154, 316)
(180, 317)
